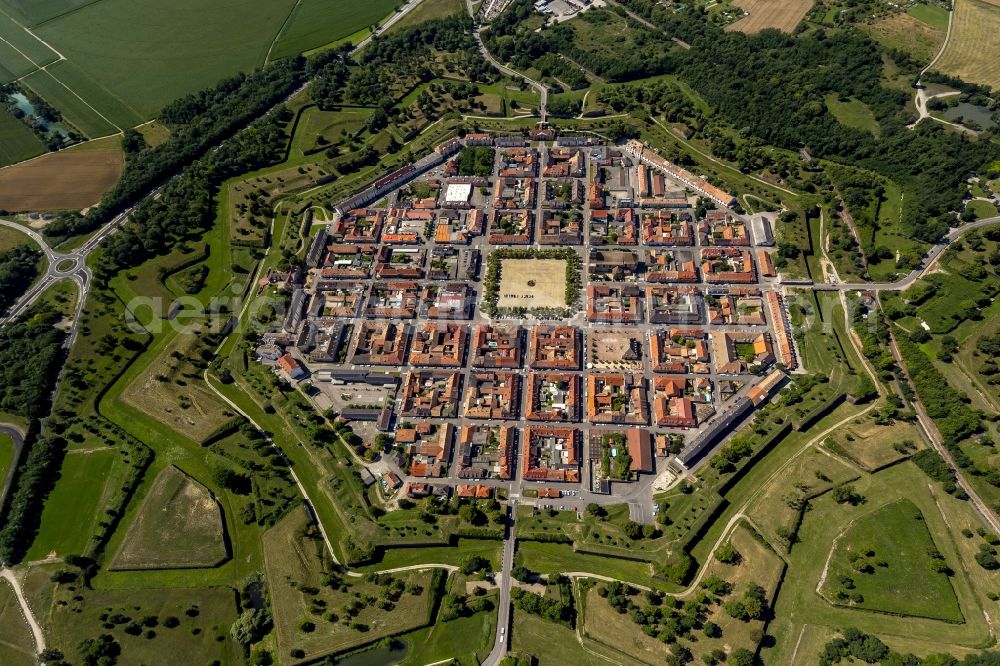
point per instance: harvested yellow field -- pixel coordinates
(781, 14)
(63, 180)
(973, 50)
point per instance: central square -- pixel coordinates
(539, 281)
(532, 283)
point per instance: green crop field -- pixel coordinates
(168, 49)
(17, 142)
(116, 63)
(29, 46)
(33, 12)
(72, 509)
(315, 23)
(933, 15)
(73, 108)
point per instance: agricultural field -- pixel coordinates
(906, 33)
(319, 611)
(884, 561)
(76, 504)
(17, 142)
(973, 53)
(151, 54)
(74, 108)
(761, 14)
(178, 527)
(17, 647)
(169, 390)
(62, 180)
(316, 23)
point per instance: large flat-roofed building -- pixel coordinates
(458, 193)
(761, 228)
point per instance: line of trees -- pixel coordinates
(197, 122)
(18, 269)
(186, 207)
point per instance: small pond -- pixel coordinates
(379, 656)
(980, 114)
(24, 104)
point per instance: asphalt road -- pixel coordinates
(928, 264)
(18, 437)
(502, 639)
(543, 92)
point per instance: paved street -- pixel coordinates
(930, 260)
(504, 611)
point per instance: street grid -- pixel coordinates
(653, 349)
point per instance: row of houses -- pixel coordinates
(646, 155)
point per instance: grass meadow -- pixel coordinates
(944, 517)
(205, 614)
(75, 504)
(853, 113)
(6, 456)
(17, 647)
(295, 566)
(886, 555)
(179, 526)
(933, 15)
(908, 34)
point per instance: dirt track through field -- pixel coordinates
(63, 180)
